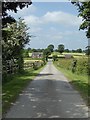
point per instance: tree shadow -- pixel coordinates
(27, 73)
(48, 98)
(47, 74)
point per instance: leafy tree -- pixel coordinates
(67, 50)
(74, 51)
(61, 48)
(40, 50)
(55, 57)
(11, 6)
(25, 53)
(84, 12)
(14, 38)
(46, 53)
(15, 35)
(79, 50)
(29, 50)
(34, 50)
(56, 50)
(51, 47)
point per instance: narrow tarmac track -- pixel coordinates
(49, 95)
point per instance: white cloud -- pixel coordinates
(52, 28)
(50, 36)
(61, 18)
(35, 30)
(69, 33)
(57, 37)
(57, 17)
(32, 20)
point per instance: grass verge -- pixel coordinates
(17, 83)
(79, 82)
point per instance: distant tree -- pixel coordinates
(83, 51)
(29, 49)
(46, 53)
(74, 51)
(56, 50)
(66, 50)
(40, 50)
(34, 50)
(61, 48)
(79, 50)
(51, 47)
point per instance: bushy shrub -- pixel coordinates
(55, 57)
(81, 66)
(35, 67)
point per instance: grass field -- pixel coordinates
(76, 54)
(64, 53)
(34, 59)
(15, 85)
(31, 60)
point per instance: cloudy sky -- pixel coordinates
(53, 23)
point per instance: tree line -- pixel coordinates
(47, 51)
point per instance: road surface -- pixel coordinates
(49, 95)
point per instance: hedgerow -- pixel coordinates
(81, 66)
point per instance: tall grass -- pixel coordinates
(81, 65)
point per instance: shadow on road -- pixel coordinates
(44, 74)
(48, 99)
